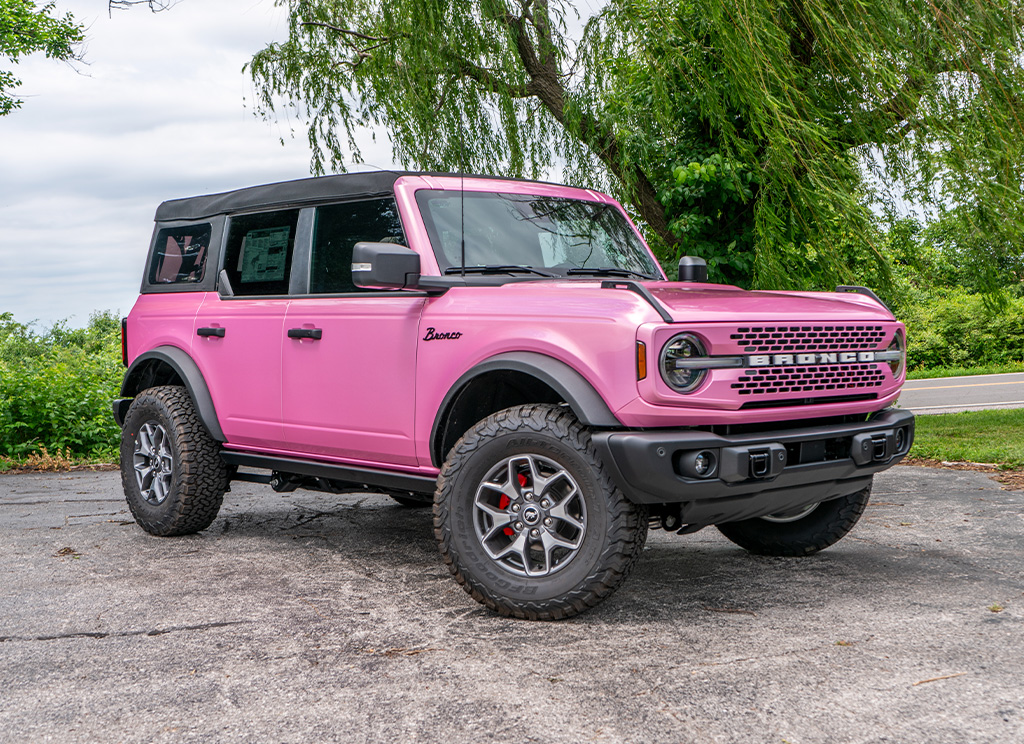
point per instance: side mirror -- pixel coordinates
(385, 265)
(693, 269)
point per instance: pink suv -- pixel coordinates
(511, 352)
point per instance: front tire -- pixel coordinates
(173, 476)
(528, 520)
(802, 532)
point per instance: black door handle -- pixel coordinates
(313, 333)
(218, 332)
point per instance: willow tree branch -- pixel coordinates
(350, 32)
(489, 80)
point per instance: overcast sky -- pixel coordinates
(157, 112)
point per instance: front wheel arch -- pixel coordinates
(542, 379)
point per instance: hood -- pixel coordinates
(703, 303)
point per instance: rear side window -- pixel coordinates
(338, 228)
(259, 252)
(179, 255)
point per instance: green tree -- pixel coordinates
(739, 131)
(24, 29)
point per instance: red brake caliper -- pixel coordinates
(504, 501)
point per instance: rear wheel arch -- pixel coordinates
(512, 379)
(169, 365)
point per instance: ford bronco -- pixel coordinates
(510, 352)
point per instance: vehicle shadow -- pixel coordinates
(691, 577)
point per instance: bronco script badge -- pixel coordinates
(449, 336)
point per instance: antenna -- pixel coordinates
(462, 195)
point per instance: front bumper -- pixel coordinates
(751, 475)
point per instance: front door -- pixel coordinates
(349, 358)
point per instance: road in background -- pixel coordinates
(953, 394)
(316, 617)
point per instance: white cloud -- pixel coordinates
(156, 113)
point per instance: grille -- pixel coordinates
(767, 339)
(776, 380)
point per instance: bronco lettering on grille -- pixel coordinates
(787, 360)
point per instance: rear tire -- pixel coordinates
(173, 476)
(802, 533)
(528, 519)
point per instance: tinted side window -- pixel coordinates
(338, 228)
(259, 252)
(179, 255)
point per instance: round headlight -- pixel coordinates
(896, 365)
(677, 363)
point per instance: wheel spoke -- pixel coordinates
(543, 487)
(558, 511)
(513, 485)
(508, 488)
(144, 477)
(499, 520)
(159, 490)
(516, 547)
(550, 541)
(144, 442)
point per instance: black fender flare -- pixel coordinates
(186, 368)
(588, 405)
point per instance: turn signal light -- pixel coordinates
(641, 360)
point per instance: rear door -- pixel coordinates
(238, 339)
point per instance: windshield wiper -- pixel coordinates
(492, 269)
(607, 271)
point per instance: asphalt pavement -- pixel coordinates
(315, 617)
(954, 394)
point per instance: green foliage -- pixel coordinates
(956, 317)
(709, 205)
(56, 388)
(949, 326)
(737, 131)
(25, 29)
(805, 94)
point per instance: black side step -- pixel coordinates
(385, 479)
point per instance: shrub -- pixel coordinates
(951, 327)
(56, 388)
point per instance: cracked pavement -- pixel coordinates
(316, 617)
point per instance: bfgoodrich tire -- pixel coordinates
(802, 532)
(528, 520)
(173, 476)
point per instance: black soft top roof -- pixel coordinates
(301, 192)
(285, 194)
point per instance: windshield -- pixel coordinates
(552, 235)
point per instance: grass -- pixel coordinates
(992, 369)
(975, 436)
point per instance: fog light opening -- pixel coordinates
(699, 463)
